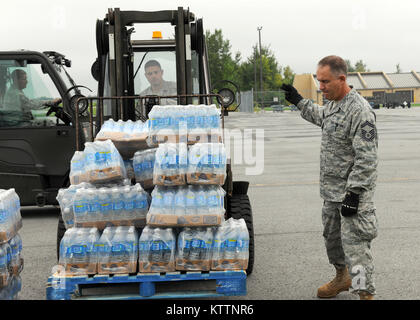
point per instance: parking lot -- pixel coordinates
(290, 258)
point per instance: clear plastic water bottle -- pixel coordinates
(78, 246)
(92, 205)
(191, 206)
(168, 201)
(140, 202)
(201, 115)
(196, 245)
(213, 201)
(77, 167)
(105, 203)
(157, 201)
(167, 245)
(117, 203)
(231, 241)
(215, 117)
(5, 213)
(16, 250)
(156, 245)
(128, 203)
(208, 245)
(92, 237)
(128, 128)
(145, 241)
(184, 243)
(80, 207)
(4, 272)
(68, 217)
(243, 240)
(89, 160)
(179, 201)
(201, 201)
(118, 249)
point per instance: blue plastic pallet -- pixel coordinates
(222, 283)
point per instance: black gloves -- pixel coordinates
(350, 204)
(291, 94)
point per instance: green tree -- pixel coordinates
(350, 68)
(398, 68)
(221, 64)
(274, 75)
(360, 66)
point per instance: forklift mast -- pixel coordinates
(115, 62)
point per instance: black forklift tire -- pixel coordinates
(238, 207)
(61, 229)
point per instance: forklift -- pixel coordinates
(37, 137)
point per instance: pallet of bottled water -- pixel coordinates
(191, 124)
(100, 162)
(186, 206)
(128, 136)
(87, 205)
(143, 166)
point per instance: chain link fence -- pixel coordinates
(252, 100)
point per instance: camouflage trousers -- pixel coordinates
(348, 242)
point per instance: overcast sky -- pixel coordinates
(383, 33)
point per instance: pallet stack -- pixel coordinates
(182, 158)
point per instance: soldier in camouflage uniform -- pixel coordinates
(16, 109)
(347, 177)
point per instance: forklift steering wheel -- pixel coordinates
(53, 107)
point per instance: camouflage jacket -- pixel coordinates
(168, 89)
(349, 146)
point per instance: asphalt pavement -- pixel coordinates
(290, 257)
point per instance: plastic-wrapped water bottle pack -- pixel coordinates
(112, 205)
(206, 164)
(78, 254)
(186, 206)
(231, 246)
(190, 123)
(128, 136)
(171, 162)
(157, 250)
(194, 249)
(123, 130)
(100, 162)
(143, 165)
(117, 250)
(10, 217)
(11, 261)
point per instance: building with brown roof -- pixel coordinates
(374, 86)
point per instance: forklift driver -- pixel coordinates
(15, 99)
(158, 86)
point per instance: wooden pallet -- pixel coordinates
(171, 285)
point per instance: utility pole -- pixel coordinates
(255, 73)
(261, 69)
